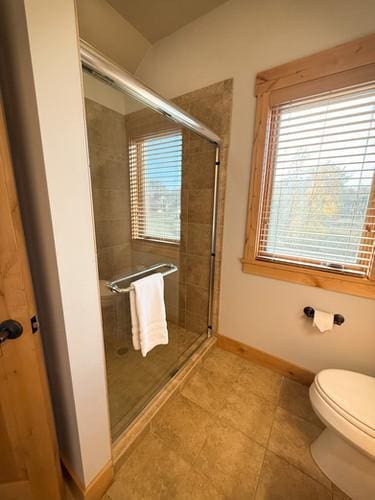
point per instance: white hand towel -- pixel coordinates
(147, 309)
(134, 321)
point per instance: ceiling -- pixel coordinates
(156, 19)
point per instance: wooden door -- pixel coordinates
(29, 462)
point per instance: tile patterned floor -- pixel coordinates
(235, 430)
(132, 379)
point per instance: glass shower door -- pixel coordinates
(153, 184)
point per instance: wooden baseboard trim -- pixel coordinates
(279, 365)
(95, 489)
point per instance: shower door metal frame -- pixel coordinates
(110, 73)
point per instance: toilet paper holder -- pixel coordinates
(338, 319)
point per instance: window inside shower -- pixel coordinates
(155, 167)
(153, 198)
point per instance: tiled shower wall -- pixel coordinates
(213, 106)
(188, 298)
(146, 252)
(187, 292)
(110, 187)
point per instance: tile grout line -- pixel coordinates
(284, 459)
(193, 462)
(269, 437)
(297, 466)
(212, 416)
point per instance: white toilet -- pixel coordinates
(345, 451)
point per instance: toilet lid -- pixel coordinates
(352, 394)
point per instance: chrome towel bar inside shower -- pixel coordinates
(114, 285)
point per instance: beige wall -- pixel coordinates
(237, 40)
(75, 338)
(104, 28)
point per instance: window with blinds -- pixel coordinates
(155, 162)
(318, 186)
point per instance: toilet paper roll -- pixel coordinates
(323, 320)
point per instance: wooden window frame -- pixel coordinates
(348, 64)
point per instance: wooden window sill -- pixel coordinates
(361, 287)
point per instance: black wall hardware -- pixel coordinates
(10, 329)
(34, 324)
(338, 319)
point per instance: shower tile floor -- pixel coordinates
(132, 380)
(234, 430)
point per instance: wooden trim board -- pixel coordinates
(95, 489)
(327, 62)
(279, 365)
(358, 286)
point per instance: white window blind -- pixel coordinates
(155, 162)
(318, 198)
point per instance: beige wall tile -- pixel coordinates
(121, 259)
(199, 239)
(198, 144)
(110, 185)
(110, 204)
(200, 206)
(122, 308)
(109, 320)
(197, 270)
(200, 170)
(107, 173)
(111, 232)
(105, 127)
(184, 237)
(196, 322)
(213, 89)
(184, 204)
(197, 300)
(105, 263)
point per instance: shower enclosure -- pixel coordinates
(154, 174)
